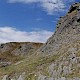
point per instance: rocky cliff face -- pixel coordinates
(67, 31)
(58, 58)
(65, 45)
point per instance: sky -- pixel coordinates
(30, 20)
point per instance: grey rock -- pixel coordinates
(66, 43)
(42, 77)
(4, 64)
(6, 77)
(20, 78)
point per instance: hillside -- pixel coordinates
(57, 59)
(15, 51)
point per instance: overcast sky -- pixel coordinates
(30, 20)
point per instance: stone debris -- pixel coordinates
(20, 78)
(6, 77)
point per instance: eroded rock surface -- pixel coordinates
(65, 43)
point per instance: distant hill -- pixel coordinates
(15, 51)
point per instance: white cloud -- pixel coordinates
(48, 5)
(9, 34)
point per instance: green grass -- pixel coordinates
(30, 65)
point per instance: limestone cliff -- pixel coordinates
(65, 45)
(67, 32)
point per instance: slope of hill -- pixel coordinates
(64, 44)
(57, 59)
(19, 48)
(15, 51)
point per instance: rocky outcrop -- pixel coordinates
(4, 64)
(65, 45)
(6, 77)
(20, 78)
